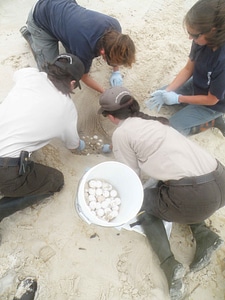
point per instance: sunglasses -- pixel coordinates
(67, 57)
(195, 36)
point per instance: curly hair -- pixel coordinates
(119, 48)
(206, 15)
(132, 110)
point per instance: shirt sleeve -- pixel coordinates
(70, 136)
(123, 151)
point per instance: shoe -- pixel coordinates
(26, 289)
(220, 124)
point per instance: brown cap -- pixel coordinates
(73, 66)
(111, 98)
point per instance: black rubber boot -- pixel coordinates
(207, 242)
(26, 289)
(174, 271)
(9, 206)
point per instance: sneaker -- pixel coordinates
(220, 124)
(26, 289)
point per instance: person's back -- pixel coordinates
(161, 152)
(78, 28)
(83, 32)
(33, 113)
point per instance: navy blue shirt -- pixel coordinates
(76, 27)
(209, 73)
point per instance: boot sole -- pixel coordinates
(207, 257)
(177, 290)
(179, 272)
(26, 289)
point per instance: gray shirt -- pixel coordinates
(159, 151)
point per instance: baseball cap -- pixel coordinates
(111, 98)
(73, 66)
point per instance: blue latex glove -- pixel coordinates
(156, 100)
(116, 79)
(106, 148)
(171, 98)
(81, 145)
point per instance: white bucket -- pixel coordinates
(127, 184)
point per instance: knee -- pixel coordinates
(57, 181)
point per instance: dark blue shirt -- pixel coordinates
(76, 27)
(209, 73)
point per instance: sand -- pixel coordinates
(69, 258)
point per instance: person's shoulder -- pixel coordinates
(23, 72)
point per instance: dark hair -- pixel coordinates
(119, 48)
(60, 78)
(205, 15)
(132, 110)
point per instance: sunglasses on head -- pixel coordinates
(67, 57)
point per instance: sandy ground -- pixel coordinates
(69, 258)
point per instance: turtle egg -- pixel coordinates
(98, 184)
(115, 207)
(100, 212)
(92, 205)
(113, 193)
(100, 198)
(92, 183)
(98, 192)
(113, 214)
(105, 204)
(91, 198)
(105, 193)
(107, 210)
(91, 191)
(98, 205)
(117, 201)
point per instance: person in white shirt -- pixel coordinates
(190, 182)
(37, 109)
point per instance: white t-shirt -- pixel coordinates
(159, 151)
(34, 113)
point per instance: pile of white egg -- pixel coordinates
(102, 199)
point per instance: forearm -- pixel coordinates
(90, 82)
(182, 76)
(180, 79)
(199, 99)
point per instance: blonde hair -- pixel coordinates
(119, 48)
